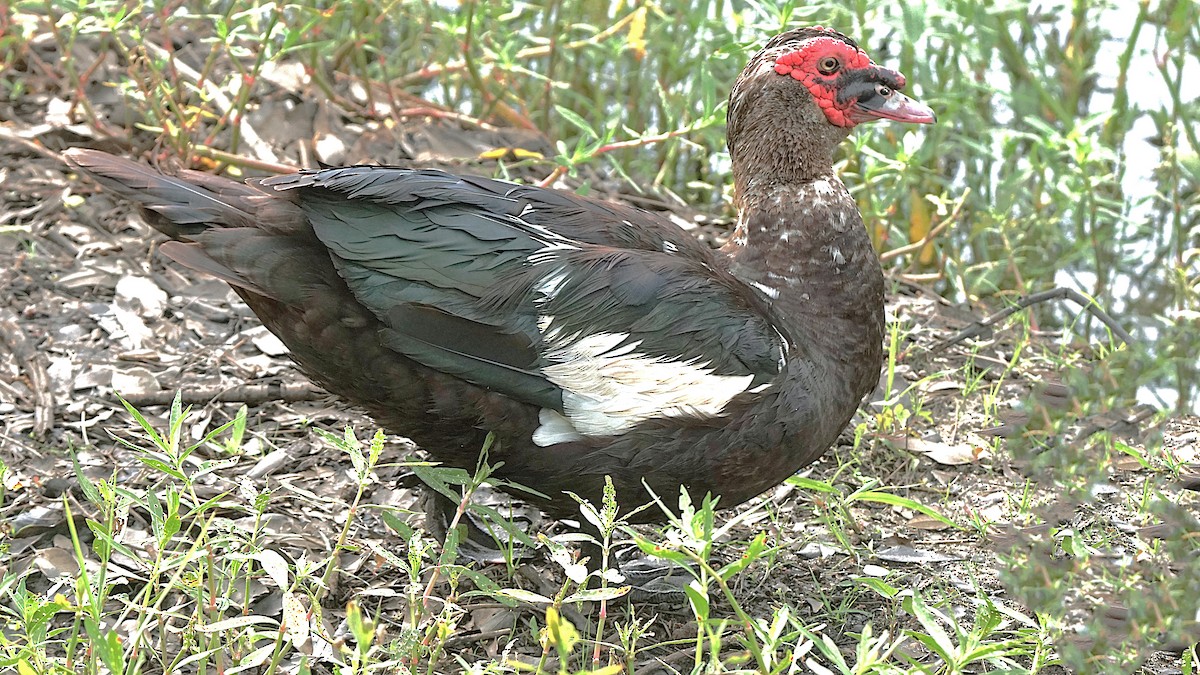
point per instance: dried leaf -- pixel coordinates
(275, 566)
(913, 556)
(142, 296)
(55, 563)
(944, 453)
(295, 622)
(266, 342)
(134, 381)
(522, 595)
(637, 34)
(924, 522)
(237, 622)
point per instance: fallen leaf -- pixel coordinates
(131, 381)
(266, 341)
(944, 453)
(275, 566)
(924, 522)
(816, 550)
(141, 296)
(876, 571)
(56, 563)
(910, 555)
(295, 622)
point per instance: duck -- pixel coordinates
(591, 339)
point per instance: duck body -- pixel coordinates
(591, 338)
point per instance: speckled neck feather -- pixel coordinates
(800, 237)
(805, 246)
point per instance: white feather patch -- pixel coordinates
(767, 290)
(554, 428)
(608, 387)
(838, 258)
(547, 287)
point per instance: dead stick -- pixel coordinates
(250, 394)
(439, 113)
(1078, 298)
(934, 232)
(11, 136)
(460, 639)
(242, 160)
(35, 371)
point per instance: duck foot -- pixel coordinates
(655, 581)
(652, 580)
(482, 543)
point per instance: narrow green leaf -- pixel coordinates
(158, 441)
(903, 502)
(879, 586)
(753, 551)
(90, 491)
(936, 639)
(396, 524)
(163, 467)
(576, 121)
(597, 594)
(813, 485)
(697, 595)
(523, 595)
(439, 478)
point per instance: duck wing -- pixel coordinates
(501, 286)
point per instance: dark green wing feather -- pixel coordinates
(469, 275)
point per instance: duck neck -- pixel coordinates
(803, 246)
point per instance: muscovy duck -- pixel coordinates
(592, 338)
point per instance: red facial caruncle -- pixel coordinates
(850, 88)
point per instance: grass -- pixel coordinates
(188, 611)
(1037, 175)
(184, 613)
(184, 607)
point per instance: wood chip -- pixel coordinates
(924, 522)
(913, 556)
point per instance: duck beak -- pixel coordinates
(896, 107)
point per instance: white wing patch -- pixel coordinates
(554, 428)
(547, 287)
(608, 387)
(767, 290)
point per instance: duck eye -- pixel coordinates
(828, 65)
(883, 90)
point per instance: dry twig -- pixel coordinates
(1088, 304)
(933, 232)
(30, 361)
(250, 394)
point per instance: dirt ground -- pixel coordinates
(88, 309)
